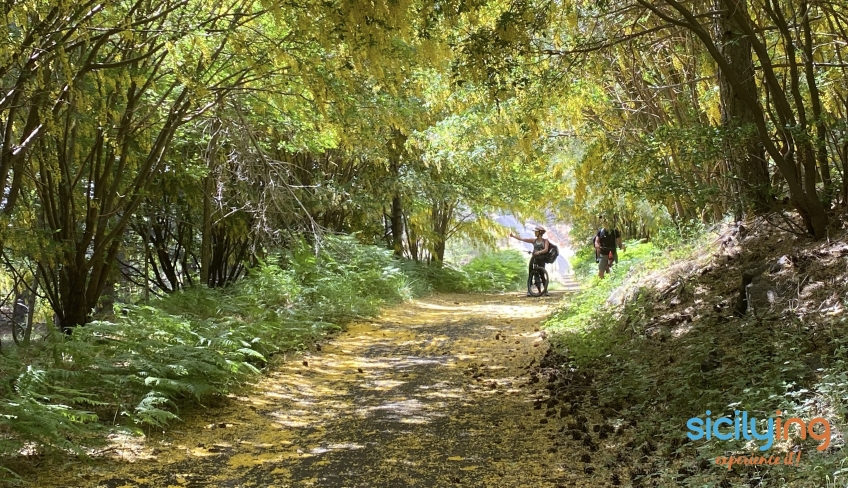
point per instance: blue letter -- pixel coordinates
(736, 418)
(717, 433)
(709, 429)
(696, 427)
(745, 433)
(768, 436)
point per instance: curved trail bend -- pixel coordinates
(437, 392)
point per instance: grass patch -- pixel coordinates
(582, 313)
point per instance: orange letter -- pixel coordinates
(801, 425)
(730, 462)
(824, 436)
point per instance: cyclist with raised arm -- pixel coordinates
(541, 246)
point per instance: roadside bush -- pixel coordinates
(673, 235)
(426, 278)
(497, 271)
(137, 368)
(576, 320)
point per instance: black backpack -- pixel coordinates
(551, 255)
(607, 240)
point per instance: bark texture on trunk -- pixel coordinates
(745, 153)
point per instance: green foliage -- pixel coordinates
(495, 271)
(146, 361)
(36, 408)
(579, 318)
(425, 278)
(346, 279)
(670, 236)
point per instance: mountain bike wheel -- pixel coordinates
(537, 282)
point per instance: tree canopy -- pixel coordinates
(160, 145)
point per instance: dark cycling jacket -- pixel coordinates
(608, 238)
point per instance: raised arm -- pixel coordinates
(522, 239)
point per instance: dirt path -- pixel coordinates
(438, 392)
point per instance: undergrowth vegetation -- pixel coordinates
(494, 271)
(661, 343)
(138, 366)
(579, 313)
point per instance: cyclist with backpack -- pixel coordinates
(541, 250)
(606, 242)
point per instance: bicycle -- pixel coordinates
(537, 279)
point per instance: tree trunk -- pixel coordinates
(397, 226)
(745, 154)
(816, 106)
(73, 309)
(442, 215)
(411, 240)
(208, 189)
(802, 189)
(844, 158)
(31, 302)
(22, 314)
(396, 152)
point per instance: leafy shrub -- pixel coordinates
(583, 263)
(497, 271)
(347, 279)
(36, 409)
(576, 321)
(425, 278)
(149, 359)
(674, 235)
